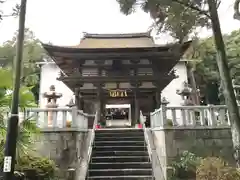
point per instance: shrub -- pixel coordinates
(213, 168)
(169, 122)
(185, 165)
(37, 166)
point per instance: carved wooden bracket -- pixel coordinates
(135, 61)
(98, 85)
(99, 62)
(135, 84)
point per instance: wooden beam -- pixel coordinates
(111, 55)
(104, 79)
(106, 97)
(93, 91)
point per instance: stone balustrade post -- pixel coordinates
(163, 117)
(74, 116)
(211, 116)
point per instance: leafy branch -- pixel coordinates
(236, 10)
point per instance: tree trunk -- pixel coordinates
(226, 81)
(193, 84)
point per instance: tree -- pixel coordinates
(27, 128)
(160, 8)
(236, 9)
(206, 70)
(174, 18)
(26, 156)
(33, 53)
(15, 10)
(177, 20)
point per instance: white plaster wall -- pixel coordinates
(49, 74)
(169, 92)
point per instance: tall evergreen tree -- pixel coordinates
(159, 9)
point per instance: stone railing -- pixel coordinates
(182, 116)
(157, 170)
(58, 117)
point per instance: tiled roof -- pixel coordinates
(116, 40)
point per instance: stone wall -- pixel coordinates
(67, 147)
(201, 141)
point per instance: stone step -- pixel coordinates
(119, 148)
(119, 138)
(119, 172)
(120, 159)
(122, 177)
(121, 165)
(119, 153)
(119, 143)
(118, 130)
(118, 134)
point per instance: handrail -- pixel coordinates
(158, 172)
(92, 140)
(92, 136)
(142, 121)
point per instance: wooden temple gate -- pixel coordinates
(117, 68)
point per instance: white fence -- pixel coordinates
(172, 116)
(58, 117)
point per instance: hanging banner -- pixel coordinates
(118, 93)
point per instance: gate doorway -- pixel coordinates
(118, 115)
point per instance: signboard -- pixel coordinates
(7, 164)
(118, 93)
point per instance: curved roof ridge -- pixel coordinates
(117, 35)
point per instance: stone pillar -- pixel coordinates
(164, 104)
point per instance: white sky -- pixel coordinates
(62, 21)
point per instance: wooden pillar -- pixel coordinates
(101, 106)
(132, 112)
(76, 94)
(79, 101)
(136, 108)
(136, 93)
(158, 99)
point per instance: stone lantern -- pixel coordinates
(51, 97)
(185, 92)
(164, 101)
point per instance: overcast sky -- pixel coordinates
(62, 21)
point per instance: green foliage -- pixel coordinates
(179, 18)
(26, 156)
(186, 161)
(212, 168)
(27, 128)
(188, 165)
(33, 53)
(169, 122)
(206, 70)
(42, 167)
(26, 99)
(15, 10)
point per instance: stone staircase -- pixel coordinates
(120, 154)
